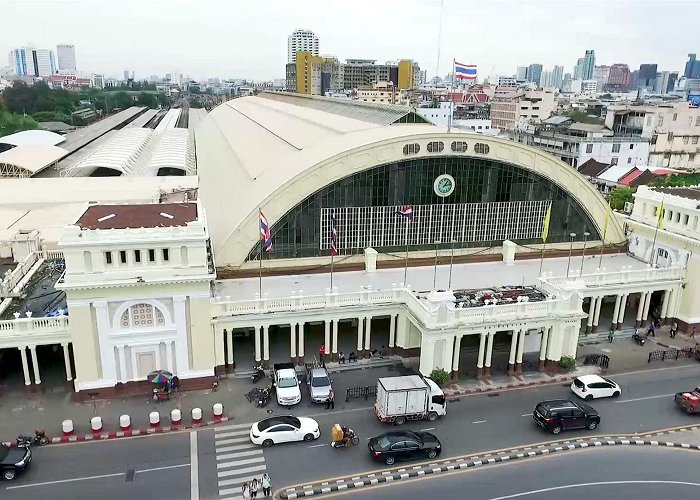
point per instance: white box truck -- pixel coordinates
(412, 397)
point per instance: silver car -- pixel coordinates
(319, 385)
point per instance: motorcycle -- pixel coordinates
(258, 374)
(264, 397)
(39, 438)
(351, 437)
(639, 339)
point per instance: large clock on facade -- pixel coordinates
(444, 185)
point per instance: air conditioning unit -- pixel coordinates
(628, 207)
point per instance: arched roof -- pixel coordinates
(119, 153)
(173, 148)
(33, 138)
(25, 161)
(266, 152)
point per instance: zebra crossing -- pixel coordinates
(237, 460)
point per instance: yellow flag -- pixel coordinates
(605, 222)
(660, 221)
(545, 225)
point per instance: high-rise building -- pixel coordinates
(646, 77)
(22, 61)
(521, 74)
(558, 77)
(301, 41)
(66, 57)
(578, 69)
(618, 77)
(601, 75)
(507, 81)
(566, 83)
(546, 78)
(409, 75)
(672, 79)
(588, 65)
(44, 62)
(692, 67)
(534, 72)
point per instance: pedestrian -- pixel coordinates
(254, 488)
(692, 332)
(245, 489)
(266, 484)
(341, 357)
(330, 401)
(674, 330)
(611, 334)
(322, 356)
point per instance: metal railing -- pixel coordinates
(672, 354)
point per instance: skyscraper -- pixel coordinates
(66, 57)
(28, 61)
(588, 65)
(646, 77)
(301, 41)
(558, 77)
(619, 77)
(692, 67)
(534, 72)
(521, 74)
(578, 69)
(44, 62)
(546, 78)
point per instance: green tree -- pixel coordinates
(581, 117)
(11, 123)
(123, 100)
(147, 99)
(163, 100)
(619, 196)
(676, 180)
(194, 89)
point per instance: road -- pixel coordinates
(160, 466)
(624, 472)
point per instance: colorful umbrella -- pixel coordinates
(159, 377)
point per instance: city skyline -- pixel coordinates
(195, 42)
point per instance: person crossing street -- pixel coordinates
(330, 401)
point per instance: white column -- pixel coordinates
(672, 303)
(182, 347)
(392, 330)
(521, 347)
(482, 346)
(368, 333)
(258, 346)
(301, 339)
(455, 352)
(664, 304)
(66, 361)
(591, 312)
(597, 311)
(335, 335)
(169, 355)
(134, 368)
(360, 328)
(25, 365)
(293, 340)
(543, 345)
(229, 345)
(122, 364)
(640, 309)
(623, 308)
(109, 365)
(513, 347)
(266, 343)
(647, 303)
(616, 311)
(159, 358)
(327, 335)
(35, 364)
(489, 350)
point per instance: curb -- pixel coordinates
(478, 390)
(146, 431)
(474, 461)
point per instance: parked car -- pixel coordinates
(13, 461)
(594, 386)
(404, 445)
(556, 416)
(286, 384)
(284, 429)
(319, 384)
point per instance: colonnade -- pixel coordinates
(35, 363)
(621, 302)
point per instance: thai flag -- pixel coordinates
(265, 235)
(465, 71)
(406, 212)
(334, 237)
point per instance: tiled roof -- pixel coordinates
(592, 168)
(138, 215)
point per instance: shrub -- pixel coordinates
(439, 376)
(567, 362)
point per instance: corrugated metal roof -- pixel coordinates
(33, 138)
(32, 158)
(615, 173)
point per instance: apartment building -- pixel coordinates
(522, 107)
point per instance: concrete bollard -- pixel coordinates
(154, 419)
(124, 422)
(218, 411)
(176, 416)
(96, 424)
(67, 426)
(196, 415)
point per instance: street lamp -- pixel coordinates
(571, 246)
(437, 242)
(452, 258)
(586, 234)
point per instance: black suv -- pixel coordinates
(555, 416)
(13, 461)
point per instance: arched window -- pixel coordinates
(482, 149)
(435, 147)
(459, 147)
(142, 315)
(411, 149)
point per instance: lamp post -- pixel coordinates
(586, 234)
(571, 246)
(437, 242)
(452, 258)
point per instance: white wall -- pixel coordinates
(638, 155)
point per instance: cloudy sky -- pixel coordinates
(248, 39)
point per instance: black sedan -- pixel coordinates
(13, 461)
(404, 445)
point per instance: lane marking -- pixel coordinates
(600, 483)
(428, 429)
(317, 445)
(240, 462)
(194, 469)
(526, 415)
(479, 422)
(644, 398)
(162, 468)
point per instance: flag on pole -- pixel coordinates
(660, 220)
(334, 237)
(406, 212)
(465, 71)
(545, 225)
(265, 235)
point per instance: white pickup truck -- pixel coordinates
(412, 397)
(286, 384)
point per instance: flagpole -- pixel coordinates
(605, 231)
(332, 258)
(656, 231)
(452, 258)
(405, 262)
(260, 268)
(544, 245)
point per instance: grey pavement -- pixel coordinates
(651, 473)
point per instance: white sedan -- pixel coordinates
(284, 429)
(594, 386)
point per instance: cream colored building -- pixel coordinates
(526, 107)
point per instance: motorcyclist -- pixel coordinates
(347, 435)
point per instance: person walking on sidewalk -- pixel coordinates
(330, 401)
(692, 332)
(322, 356)
(611, 334)
(674, 330)
(266, 483)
